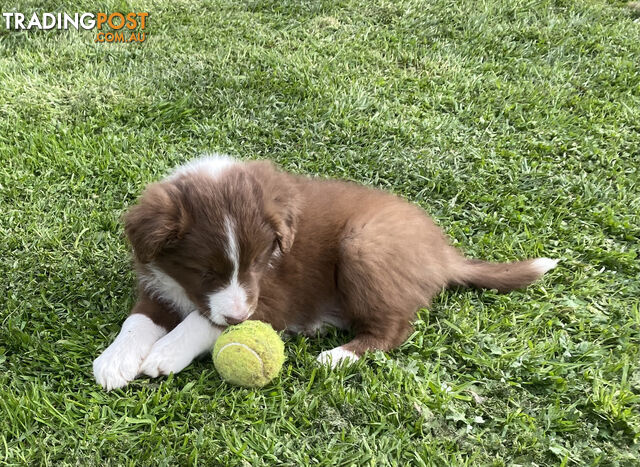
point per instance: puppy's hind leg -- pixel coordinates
(378, 295)
(353, 350)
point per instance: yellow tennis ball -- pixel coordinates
(249, 354)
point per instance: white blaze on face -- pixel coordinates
(232, 300)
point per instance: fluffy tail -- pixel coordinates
(502, 276)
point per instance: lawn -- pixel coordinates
(515, 124)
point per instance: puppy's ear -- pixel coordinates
(281, 201)
(158, 219)
(284, 223)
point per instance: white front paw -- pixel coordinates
(164, 358)
(336, 356)
(118, 364)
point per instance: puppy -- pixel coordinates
(220, 241)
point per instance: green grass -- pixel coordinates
(515, 124)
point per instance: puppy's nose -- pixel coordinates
(231, 321)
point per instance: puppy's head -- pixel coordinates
(215, 236)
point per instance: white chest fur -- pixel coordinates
(160, 285)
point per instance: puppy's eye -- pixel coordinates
(210, 274)
(193, 270)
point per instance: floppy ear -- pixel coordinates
(281, 201)
(157, 220)
(284, 223)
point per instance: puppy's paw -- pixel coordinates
(337, 356)
(165, 358)
(118, 364)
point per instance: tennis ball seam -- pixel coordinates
(255, 354)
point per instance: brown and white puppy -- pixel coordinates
(220, 241)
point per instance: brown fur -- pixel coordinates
(362, 256)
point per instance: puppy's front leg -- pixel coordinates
(120, 362)
(171, 354)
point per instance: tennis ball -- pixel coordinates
(249, 354)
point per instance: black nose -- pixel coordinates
(232, 321)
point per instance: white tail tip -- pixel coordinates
(542, 265)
